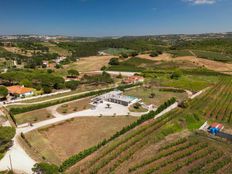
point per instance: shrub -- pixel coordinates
(45, 168)
(73, 73)
(124, 55)
(114, 61)
(103, 68)
(73, 84)
(176, 75)
(154, 54)
(135, 53)
(47, 89)
(3, 92)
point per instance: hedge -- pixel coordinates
(19, 110)
(76, 158)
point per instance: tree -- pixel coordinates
(73, 84)
(135, 53)
(49, 71)
(45, 168)
(3, 92)
(159, 52)
(58, 66)
(47, 89)
(6, 133)
(26, 82)
(119, 76)
(154, 54)
(137, 105)
(176, 75)
(152, 95)
(124, 55)
(114, 61)
(73, 73)
(103, 68)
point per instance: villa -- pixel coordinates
(20, 91)
(116, 97)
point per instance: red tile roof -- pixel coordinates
(132, 79)
(18, 90)
(216, 125)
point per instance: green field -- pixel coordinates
(213, 56)
(134, 64)
(180, 53)
(118, 51)
(56, 49)
(159, 96)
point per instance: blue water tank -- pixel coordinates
(214, 130)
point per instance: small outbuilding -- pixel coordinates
(215, 128)
(133, 80)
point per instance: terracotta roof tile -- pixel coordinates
(18, 89)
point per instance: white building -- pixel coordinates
(116, 97)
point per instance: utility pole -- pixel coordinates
(11, 163)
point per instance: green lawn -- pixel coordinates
(159, 98)
(190, 82)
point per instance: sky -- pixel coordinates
(114, 17)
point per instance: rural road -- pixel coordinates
(58, 98)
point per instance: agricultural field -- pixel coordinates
(33, 116)
(19, 51)
(75, 106)
(213, 56)
(142, 150)
(190, 79)
(56, 49)
(124, 151)
(180, 53)
(155, 96)
(82, 134)
(190, 82)
(216, 103)
(134, 64)
(118, 51)
(88, 64)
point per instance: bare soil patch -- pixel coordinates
(70, 137)
(93, 63)
(74, 106)
(33, 116)
(210, 64)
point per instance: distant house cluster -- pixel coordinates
(52, 64)
(133, 80)
(115, 97)
(20, 91)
